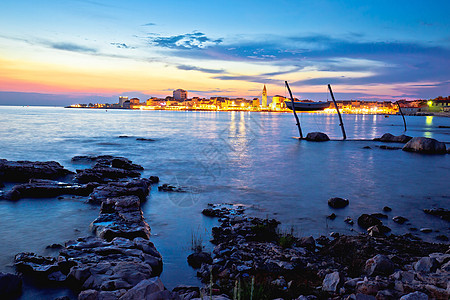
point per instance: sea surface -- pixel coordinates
(233, 157)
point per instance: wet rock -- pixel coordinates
(195, 260)
(43, 188)
(387, 209)
(439, 212)
(415, 296)
(210, 212)
(425, 145)
(379, 265)
(332, 282)
(104, 174)
(379, 216)
(385, 147)
(367, 147)
(426, 264)
(332, 216)
(154, 179)
(136, 187)
(23, 171)
(426, 230)
(349, 221)
(337, 202)
(10, 285)
(124, 163)
(35, 265)
(145, 139)
(121, 217)
(317, 137)
(389, 138)
(366, 221)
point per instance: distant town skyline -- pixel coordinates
(62, 52)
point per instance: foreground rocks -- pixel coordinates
(22, 171)
(251, 252)
(317, 137)
(425, 145)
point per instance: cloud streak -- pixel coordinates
(204, 70)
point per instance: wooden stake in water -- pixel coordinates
(400, 110)
(293, 109)
(339, 114)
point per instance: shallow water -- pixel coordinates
(236, 157)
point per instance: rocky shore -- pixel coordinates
(253, 258)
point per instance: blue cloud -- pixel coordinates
(72, 47)
(149, 24)
(122, 46)
(188, 41)
(204, 70)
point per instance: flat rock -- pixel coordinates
(104, 174)
(23, 171)
(425, 145)
(144, 289)
(389, 138)
(136, 187)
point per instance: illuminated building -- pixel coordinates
(122, 99)
(264, 97)
(277, 103)
(180, 94)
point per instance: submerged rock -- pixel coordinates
(317, 137)
(399, 219)
(337, 202)
(439, 212)
(425, 145)
(196, 260)
(23, 171)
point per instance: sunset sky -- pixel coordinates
(62, 52)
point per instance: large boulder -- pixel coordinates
(337, 202)
(426, 264)
(10, 285)
(425, 145)
(144, 289)
(317, 137)
(379, 265)
(389, 138)
(22, 171)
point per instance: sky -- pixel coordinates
(70, 51)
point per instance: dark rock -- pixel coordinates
(332, 216)
(385, 147)
(332, 282)
(317, 137)
(439, 212)
(426, 264)
(154, 179)
(366, 221)
(367, 147)
(349, 221)
(44, 188)
(425, 145)
(196, 260)
(337, 202)
(104, 174)
(389, 138)
(136, 187)
(307, 242)
(379, 265)
(379, 216)
(145, 139)
(399, 219)
(23, 171)
(170, 188)
(426, 230)
(378, 230)
(10, 285)
(415, 296)
(124, 163)
(54, 246)
(387, 209)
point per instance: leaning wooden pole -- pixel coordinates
(400, 110)
(339, 114)
(293, 109)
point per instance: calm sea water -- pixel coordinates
(233, 157)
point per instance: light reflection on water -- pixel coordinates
(236, 157)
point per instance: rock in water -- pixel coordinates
(23, 171)
(425, 145)
(337, 202)
(379, 265)
(399, 219)
(195, 260)
(439, 212)
(366, 221)
(389, 138)
(317, 137)
(10, 284)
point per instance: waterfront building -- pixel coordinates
(264, 97)
(122, 99)
(180, 94)
(134, 101)
(277, 103)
